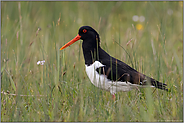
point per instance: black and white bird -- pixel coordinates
(107, 72)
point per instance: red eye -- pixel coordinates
(84, 30)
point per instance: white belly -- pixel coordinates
(102, 82)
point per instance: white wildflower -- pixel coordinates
(41, 62)
(141, 18)
(135, 18)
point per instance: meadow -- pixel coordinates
(148, 36)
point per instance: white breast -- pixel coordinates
(101, 80)
(98, 80)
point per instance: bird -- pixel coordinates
(107, 72)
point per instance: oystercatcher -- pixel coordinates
(107, 72)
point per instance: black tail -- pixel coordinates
(159, 85)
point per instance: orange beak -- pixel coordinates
(71, 42)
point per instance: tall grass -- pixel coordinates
(59, 90)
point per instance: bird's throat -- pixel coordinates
(90, 52)
(90, 55)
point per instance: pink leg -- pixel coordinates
(113, 96)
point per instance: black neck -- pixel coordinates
(93, 53)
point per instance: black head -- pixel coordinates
(90, 45)
(89, 36)
(88, 33)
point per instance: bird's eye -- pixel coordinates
(84, 30)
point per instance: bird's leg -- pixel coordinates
(113, 92)
(113, 97)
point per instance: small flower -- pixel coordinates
(135, 18)
(41, 62)
(141, 18)
(139, 26)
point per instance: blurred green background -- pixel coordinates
(146, 35)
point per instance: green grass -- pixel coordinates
(60, 89)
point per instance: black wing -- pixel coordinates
(117, 70)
